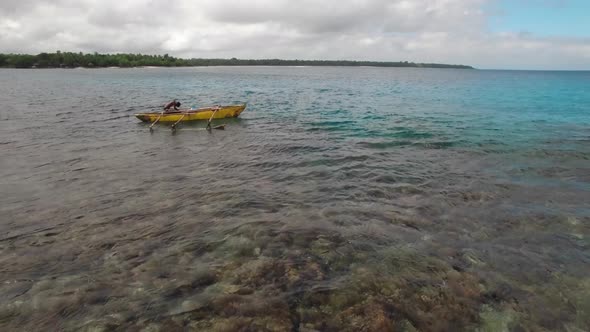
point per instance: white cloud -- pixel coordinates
(446, 31)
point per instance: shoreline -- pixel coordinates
(128, 60)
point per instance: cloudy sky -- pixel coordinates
(527, 34)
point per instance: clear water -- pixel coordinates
(343, 199)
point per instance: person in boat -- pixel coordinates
(173, 105)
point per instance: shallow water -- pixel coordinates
(343, 199)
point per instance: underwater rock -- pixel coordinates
(186, 259)
(42, 285)
(245, 291)
(495, 321)
(371, 316)
(99, 325)
(321, 246)
(469, 257)
(307, 328)
(218, 324)
(95, 328)
(236, 247)
(229, 288)
(187, 283)
(189, 305)
(12, 309)
(226, 305)
(202, 277)
(271, 324)
(572, 328)
(10, 290)
(260, 272)
(344, 313)
(302, 272)
(151, 328)
(406, 326)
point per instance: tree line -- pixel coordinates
(126, 60)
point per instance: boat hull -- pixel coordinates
(224, 112)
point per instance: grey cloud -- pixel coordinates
(308, 16)
(151, 13)
(16, 7)
(351, 15)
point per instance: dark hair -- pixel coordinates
(177, 103)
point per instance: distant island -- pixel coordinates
(128, 60)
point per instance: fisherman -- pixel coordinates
(173, 105)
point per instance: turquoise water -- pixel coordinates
(343, 199)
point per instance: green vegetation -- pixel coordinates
(72, 60)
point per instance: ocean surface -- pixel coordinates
(343, 199)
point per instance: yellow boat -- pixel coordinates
(204, 113)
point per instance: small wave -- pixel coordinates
(394, 144)
(385, 145)
(333, 123)
(296, 148)
(42, 165)
(326, 129)
(336, 112)
(412, 134)
(436, 145)
(110, 119)
(346, 126)
(373, 117)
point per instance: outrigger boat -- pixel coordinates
(204, 113)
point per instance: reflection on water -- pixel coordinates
(344, 199)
